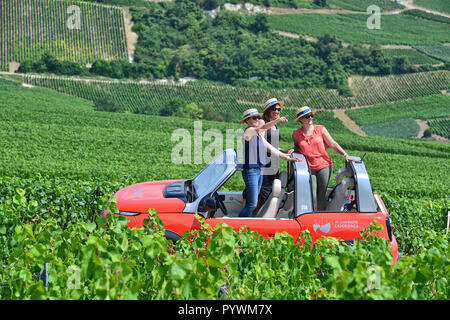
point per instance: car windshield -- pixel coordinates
(214, 172)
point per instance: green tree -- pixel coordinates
(51, 63)
(101, 67)
(401, 65)
(191, 111)
(321, 3)
(26, 66)
(173, 107)
(107, 104)
(208, 112)
(69, 68)
(261, 23)
(210, 4)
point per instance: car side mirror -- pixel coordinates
(210, 204)
(207, 204)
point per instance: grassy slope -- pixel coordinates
(438, 51)
(397, 119)
(433, 106)
(353, 28)
(362, 5)
(438, 5)
(414, 57)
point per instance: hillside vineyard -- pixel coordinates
(134, 95)
(69, 30)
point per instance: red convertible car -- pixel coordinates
(352, 204)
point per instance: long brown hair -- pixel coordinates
(266, 114)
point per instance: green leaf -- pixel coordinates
(177, 272)
(124, 245)
(333, 261)
(214, 262)
(90, 227)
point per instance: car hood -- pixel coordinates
(141, 196)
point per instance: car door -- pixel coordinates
(264, 226)
(341, 225)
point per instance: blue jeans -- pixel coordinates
(253, 181)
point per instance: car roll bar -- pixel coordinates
(363, 190)
(365, 200)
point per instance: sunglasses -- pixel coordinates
(275, 109)
(256, 118)
(308, 116)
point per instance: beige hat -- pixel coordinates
(271, 102)
(248, 113)
(303, 111)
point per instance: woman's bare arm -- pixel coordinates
(334, 145)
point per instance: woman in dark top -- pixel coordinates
(271, 112)
(255, 148)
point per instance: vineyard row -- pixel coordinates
(69, 30)
(136, 96)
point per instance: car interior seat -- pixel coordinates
(264, 211)
(343, 172)
(286, 206)
(270, 207)
(283, 176)
(344, 182)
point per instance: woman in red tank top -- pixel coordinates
(311, 140)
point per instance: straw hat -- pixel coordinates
(271, 102)
(249, 113)
(302, 112)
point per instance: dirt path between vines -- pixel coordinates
(344, 44)
(276, 10)
(132, 37)
(423, 126)
(348, 122)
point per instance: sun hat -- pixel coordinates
(271, 102)
(248, 113)
(302, 112)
